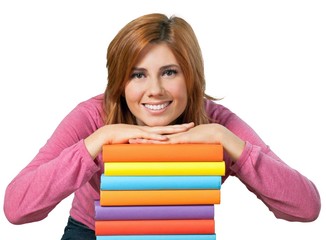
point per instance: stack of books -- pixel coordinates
(159, 192)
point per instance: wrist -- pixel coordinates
(95, 141)
(232, 144)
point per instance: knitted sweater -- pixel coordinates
(63, 166)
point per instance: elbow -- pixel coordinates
(10, 210)
(313, 212)
(11, 207)
(15, 211)
(12, 213)
(13, 218)
(307, 213)
(312, 208)
(305, 209)
(17, 216)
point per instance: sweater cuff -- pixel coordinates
(87, 158)
(243, 157)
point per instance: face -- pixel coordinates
(156, 93)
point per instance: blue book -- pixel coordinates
(159, 182)
(159, 237)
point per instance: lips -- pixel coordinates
(156, 107)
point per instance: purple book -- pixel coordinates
(153, 212)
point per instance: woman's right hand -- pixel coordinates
(122, 133)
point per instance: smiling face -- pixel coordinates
(156, 93)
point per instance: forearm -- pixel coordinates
(232, 144)
(39, 188)
(126, 133)
(95, 141)
(286, 192)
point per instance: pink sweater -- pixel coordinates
(63, 167)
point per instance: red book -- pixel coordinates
(147, 227)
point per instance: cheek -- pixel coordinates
(132, 93)
(179, 91)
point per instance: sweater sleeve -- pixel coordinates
(286, 192)
(62, 166)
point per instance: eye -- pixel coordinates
(137, 75)
(169, 72)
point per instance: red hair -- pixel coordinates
(123, 53)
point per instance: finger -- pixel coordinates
(170, 129)
(189, 125)
(145, 141)
(184, 125)
(150, 136)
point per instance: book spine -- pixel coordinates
(159, 197)
(153, 212)
(159, 182)
(121, 227)
(164, 168)
(159, 237)
(162, 153)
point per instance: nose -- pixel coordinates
(155, 87)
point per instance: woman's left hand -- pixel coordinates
(205, 133)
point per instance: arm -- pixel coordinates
(286, 192)
(62, 166)
(266, 175)
(261, 170)
(125, 133)
(66, 162)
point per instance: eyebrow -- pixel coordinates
(161, 68)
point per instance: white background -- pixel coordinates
(266, 58)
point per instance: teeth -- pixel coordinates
(156, 107)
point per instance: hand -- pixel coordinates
(158, 134)
(199, 134)
(206, 133)
(124, 133)
(212, 133)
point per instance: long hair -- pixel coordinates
(124, 50)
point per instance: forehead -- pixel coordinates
(156, 54)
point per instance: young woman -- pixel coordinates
(155, 94)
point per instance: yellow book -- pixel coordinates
(164, 168)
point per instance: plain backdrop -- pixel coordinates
(266, 59)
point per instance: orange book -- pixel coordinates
(146, 227)
(162, 153)
(159, 197)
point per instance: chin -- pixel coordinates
(156, 123)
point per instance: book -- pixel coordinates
(162, 152)
(159, 192)
(164, 168)
(159, 182)
(159, 197)
(159, 237)
(143, 227)
(153, 212)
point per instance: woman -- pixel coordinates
(155, 94)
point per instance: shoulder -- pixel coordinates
(217, 112)
(91, 109)
(80, 122)
(93, 103)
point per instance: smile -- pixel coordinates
(156, 107)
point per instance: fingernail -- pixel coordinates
(163, 137)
